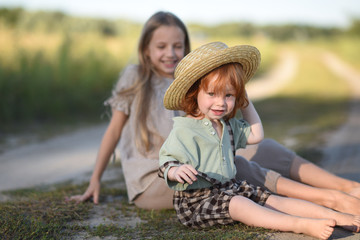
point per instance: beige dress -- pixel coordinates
(140, 170)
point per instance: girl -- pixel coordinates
(197, 159)
(163, 43)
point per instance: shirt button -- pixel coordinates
(212, 132)
(206, 123)
(223, 158)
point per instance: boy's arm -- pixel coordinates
(252, 117)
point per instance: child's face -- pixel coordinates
(216, 105)
(166, 49)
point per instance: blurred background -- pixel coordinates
(59, 59)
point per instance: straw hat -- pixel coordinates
(205, 59)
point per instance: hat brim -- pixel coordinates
(202, 61)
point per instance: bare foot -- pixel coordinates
(355, 192)
(344, 202)
(318, 228)
(349, 222)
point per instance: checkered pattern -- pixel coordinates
(231, 136)
(206, 207)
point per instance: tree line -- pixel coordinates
(58, 21)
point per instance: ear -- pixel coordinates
(147, 52)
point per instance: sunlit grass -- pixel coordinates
(314, 103)
(348, 48)
(42, 213)
(267, 48)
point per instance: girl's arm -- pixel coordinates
(252, 117)
(107, 147)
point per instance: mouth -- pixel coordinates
(218, 112)
(170, 64)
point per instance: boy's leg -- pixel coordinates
(250, 213)
(272, 181)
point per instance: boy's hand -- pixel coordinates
(183, 173)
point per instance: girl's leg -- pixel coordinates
(272, 155)
(307, 209)
(274, 182)
(157, 196)
(333, 199)
(248, 212)
(304, 171)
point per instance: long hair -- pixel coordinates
(142, 86)
(231, 72)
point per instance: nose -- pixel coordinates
(170, 51)
(220, 101)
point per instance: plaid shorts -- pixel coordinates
(206, 207)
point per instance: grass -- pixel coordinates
(42, 213)
(57, 77)
(315, 102)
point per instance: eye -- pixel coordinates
(179, 46)
(229, 95)
(211, 94)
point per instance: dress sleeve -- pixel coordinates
(241, 129)
(125, 81)
(175, 152)
(171, 155)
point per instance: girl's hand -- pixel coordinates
(92, 191)
(183, 173)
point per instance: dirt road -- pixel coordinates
(344, 144)
(61, 158)
(73, 155)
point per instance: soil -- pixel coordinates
(72, 155)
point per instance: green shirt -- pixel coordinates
(196, 142)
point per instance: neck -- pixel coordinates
(217, 125)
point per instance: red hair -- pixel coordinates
(230, 72)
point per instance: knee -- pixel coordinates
(270, 144)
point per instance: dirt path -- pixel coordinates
(73, 155)
(61, 158)
(277, 78)
(342, 151)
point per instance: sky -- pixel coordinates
(326, 13)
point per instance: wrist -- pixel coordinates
(95, 179)
(171, 173)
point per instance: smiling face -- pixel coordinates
(216, 104)
(166, 49)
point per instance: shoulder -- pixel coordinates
(238, 123)
(127, 77)
(189, 123)
(184, 127)
(239, 126)
(130, 71)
